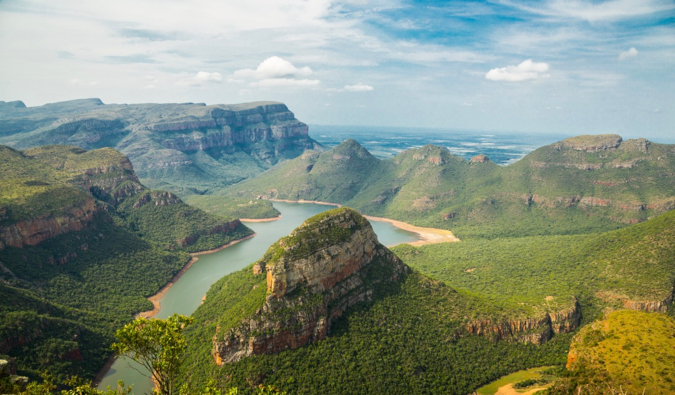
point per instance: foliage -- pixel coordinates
(532, 274)
(229, 207)
(66, 296)
(157, 345)
(409, 339)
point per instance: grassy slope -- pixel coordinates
(110, 267)
(628, 350)
(539, 195)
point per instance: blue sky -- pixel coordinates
(552, 66)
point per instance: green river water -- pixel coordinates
(186, 294)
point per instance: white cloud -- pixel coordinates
(204, 76)
(594, 11)
(352, 88)
(273, 67)
(527, 70)
(632, 52)
(272, 82)
(358, 88)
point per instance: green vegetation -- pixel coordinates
(556, 189)
(157, 345)
(64, 297)
(408, 340)
(229, 207)
(532, 274)
(628, 350)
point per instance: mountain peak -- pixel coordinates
(592, 143)
(313, 275)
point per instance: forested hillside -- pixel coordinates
(82, 245)
(579, 185)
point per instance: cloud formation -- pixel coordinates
(275, 71)
(273, 67)
(358, 88)
(527, 70)
(632, 52)
(204, 76)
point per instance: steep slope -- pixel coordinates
(329, 299)
(185, 148)
(82, 244)
(579, 185)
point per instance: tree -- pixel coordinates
(158, 345)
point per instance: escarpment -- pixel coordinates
(537, 330)
(185, 148)
(313, 275)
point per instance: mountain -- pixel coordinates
(82, 245)
(183, 148)
(328, 309)
(579, 185)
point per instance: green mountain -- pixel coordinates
(82, 245)
(183, 148)
(328, 309)
(579, 185)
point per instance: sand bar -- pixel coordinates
(260, 219)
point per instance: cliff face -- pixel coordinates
(166, 142)
(313, 276)
(36, 230)
(537, 330)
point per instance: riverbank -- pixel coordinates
(159, 295)
(260, 219)
(426, 235)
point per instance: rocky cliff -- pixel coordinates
(313, 275)
(537, 330)
(182, 147)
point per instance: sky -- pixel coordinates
(551, 66)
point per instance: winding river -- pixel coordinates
(186, 294)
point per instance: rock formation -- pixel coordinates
(166, 136)
(313, 275)
(537, 330)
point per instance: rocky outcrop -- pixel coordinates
(480, 158)
(537, 330)
(221, 228)
(313, 275)
(157, 198)
(659, 306)
(36, 230)
(591, 143)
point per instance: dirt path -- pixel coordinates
(509, 390)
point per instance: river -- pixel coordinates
(186, 294)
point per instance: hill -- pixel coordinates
(183, 148)
(614, 354)
(82, 245)
(330, 310)
(579, 185)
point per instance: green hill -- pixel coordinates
(82, 245)
(628, 351)
(579, 185)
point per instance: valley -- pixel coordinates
(503, 267)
